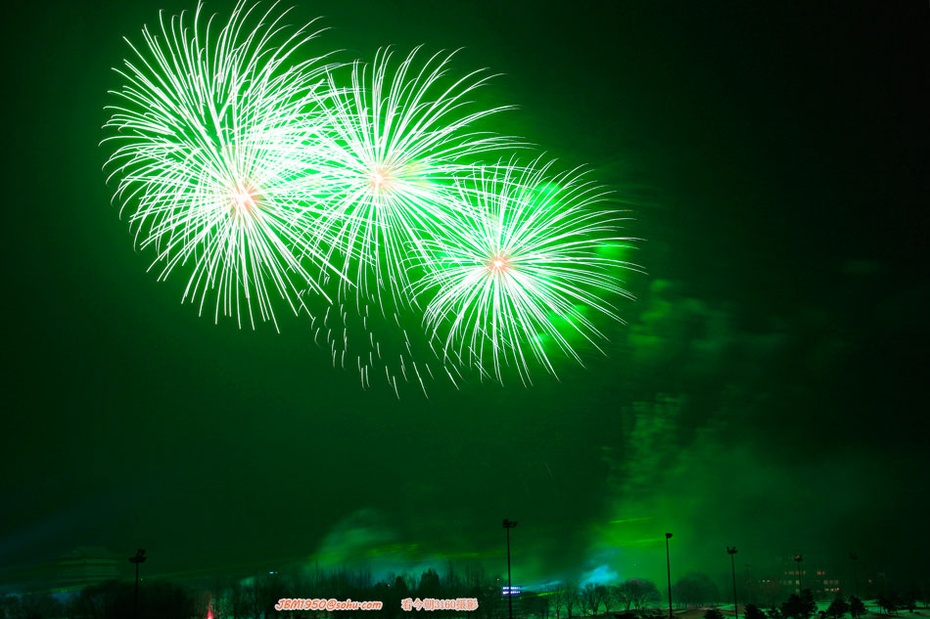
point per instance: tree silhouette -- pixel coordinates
(838, 607)
(644, 591)
(31, 606)
(623, 594)
(799, 606)
(856, 607)
(887, 604)
(588, 600)
(751, 611)
(557, 598)
(159, 600)
(696, 589)
(391, 602)
(571, 596)
(429, 584)
(165, 600)
(808, 603)
(635, 593)
(604, 597)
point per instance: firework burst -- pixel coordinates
(265, 177)
(524, 270)
(213, 132)
(399, 133)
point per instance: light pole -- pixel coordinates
(139, 558)
(732, 552)
(668, 569)
(509, 524)
(799, 558)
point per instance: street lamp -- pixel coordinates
(139, 558)
(732, 552)
(509, 524)
(799, 558)
(668, 568)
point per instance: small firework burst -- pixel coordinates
(524, 270)
(213, 131)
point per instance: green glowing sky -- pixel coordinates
(767, 392)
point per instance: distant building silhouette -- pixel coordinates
(814, 575)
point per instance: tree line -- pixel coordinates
(255, 598)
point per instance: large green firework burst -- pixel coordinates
(525, 269)
(356, 192)
(213, 132)
(399, 133)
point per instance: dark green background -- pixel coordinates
(769, 390)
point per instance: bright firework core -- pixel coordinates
(500, 264)
(245, 199)
(381, 178)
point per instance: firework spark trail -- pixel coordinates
(521, 265)
(386, 348)
(213, 133)
(399, 135)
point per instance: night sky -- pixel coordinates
(768, 390)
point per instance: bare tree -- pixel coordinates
(604, 597)
(571, 596)
(557, 599)
(696, 589)
(643, 592)
(623, 595)
(587, 599)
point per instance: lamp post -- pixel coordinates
(509, 524)
(139, 558)
(731, 550)
(799, 558)
(668, 569)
